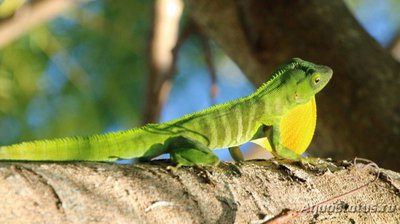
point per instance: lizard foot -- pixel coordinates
(318, 164)
(232, 167)
(205, 172)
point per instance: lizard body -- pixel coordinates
(286, 103)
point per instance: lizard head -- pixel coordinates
(297, 81)
(307, 79)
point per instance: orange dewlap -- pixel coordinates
(297, 127)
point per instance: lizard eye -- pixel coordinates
(316, 79)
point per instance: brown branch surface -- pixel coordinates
(359, 111)
(149, 193)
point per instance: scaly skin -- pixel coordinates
(190, 139)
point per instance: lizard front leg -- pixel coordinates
(281, 151)
(278, 149)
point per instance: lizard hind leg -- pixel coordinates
(188, 152)
(236, 154)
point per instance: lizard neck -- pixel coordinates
(274, 100)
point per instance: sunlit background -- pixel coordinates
(85, 71)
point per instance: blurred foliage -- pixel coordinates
(85, 72)
(9, 7)
(81, 73)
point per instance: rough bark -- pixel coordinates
(148, 193)
(359, 111)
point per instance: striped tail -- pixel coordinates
(65, 149)
(108, 147)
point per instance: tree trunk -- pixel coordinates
(148, 193)
(359, 111)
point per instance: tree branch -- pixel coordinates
(31, 16)
(164, 36)
(100, 192)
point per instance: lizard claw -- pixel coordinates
(318, 164)
(232, 167)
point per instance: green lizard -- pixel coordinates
(285, 103)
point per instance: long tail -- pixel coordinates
(108, 147)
